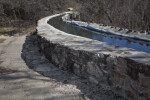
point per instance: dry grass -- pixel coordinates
(28, 30)
(1, 61)
(10, 31)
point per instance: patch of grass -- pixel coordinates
(28, 30)
(10, 31)
(7, 31)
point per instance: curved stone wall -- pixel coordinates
(123, 70)
(142, 37)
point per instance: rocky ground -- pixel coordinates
(25, 74)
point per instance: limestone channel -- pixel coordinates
(126, 71)
(118, 41)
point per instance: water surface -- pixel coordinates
(72, 29)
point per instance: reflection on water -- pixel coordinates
(71, 29)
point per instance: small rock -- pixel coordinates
(120, 29)
(93, 80)
(143, 31)
(129, 31)
(70, 9)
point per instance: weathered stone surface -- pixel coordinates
(93, 80)
(42, 67)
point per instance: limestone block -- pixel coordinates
(94, 70)
(93, 80)
(77, 69)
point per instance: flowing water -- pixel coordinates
(72, 29)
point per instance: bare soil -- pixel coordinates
(2, 40)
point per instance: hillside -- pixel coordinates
(129, 14)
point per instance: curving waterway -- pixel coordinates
(72, 29)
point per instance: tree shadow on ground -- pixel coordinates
(36, 61)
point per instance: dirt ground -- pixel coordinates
(25, 74)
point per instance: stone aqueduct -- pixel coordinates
(127, 73)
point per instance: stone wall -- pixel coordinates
(125, 73)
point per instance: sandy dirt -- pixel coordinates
(25, 74)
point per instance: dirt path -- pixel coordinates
(21, 80)
(21, 83)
